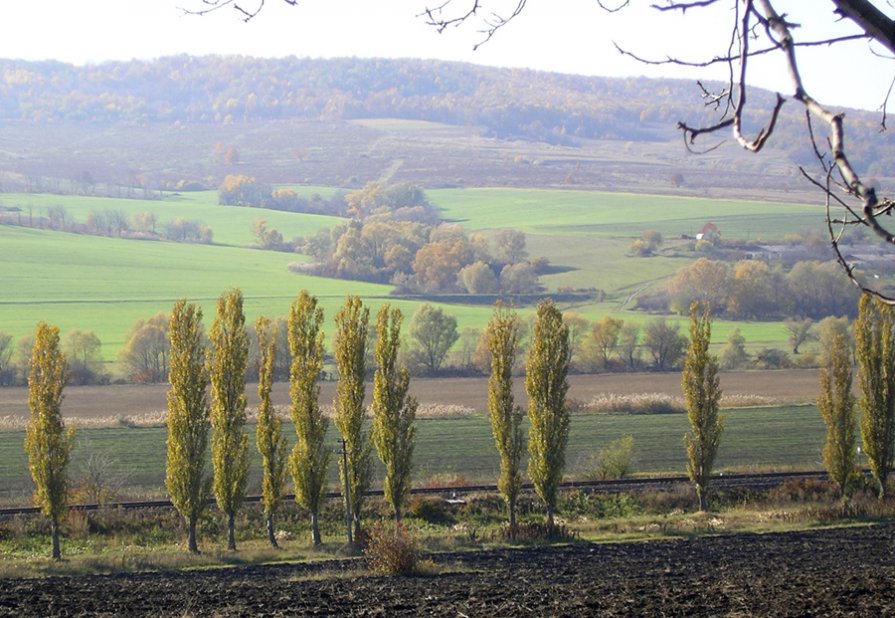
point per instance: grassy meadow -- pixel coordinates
(104, 285)
(462, 448)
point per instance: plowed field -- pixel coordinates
(842, 572)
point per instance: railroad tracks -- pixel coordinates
(725, 481)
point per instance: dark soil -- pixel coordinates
(842, 572)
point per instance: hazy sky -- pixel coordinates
(574, 36)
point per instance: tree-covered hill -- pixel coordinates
(183, 117)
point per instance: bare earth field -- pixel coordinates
(839, 572)
(90, 402)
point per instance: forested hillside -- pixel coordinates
(119, 121)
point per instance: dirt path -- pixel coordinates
(845, 572)
(796, 385)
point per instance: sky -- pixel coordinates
(567, 36)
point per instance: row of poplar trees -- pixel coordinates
(191, 416)
(207, 398)
(195, 410)
(873, 347)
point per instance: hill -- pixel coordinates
(146, 126)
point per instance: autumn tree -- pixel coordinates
(47, 442)
(875, 349)
(702, 393)
(800, 331)
(704, 281)
(188, 418)
(146, 349)
(267, 237)
(227, 362)
(478, 278)
(7, 369)
(85, 361)
(837, 407)
(394, 411)
(579, 328)
(269, 436)
(509, 246)
(350, 342)
(628, 345)
(664, 342)
(310, 455)
(602, 341)
(433, 333)
(647, 244)
(506, 417)
(546, 384)
(733, 355)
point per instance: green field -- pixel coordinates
(231, 225)
(754, 438)
(104, 285)
(601, 215)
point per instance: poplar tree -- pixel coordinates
(394, 412)
(350, 341)
(227, 362)
(503, 334)
(875, 347)
(47, 441)
(546, 383)
(702, 394)
(310, 456)
(269, 436)
(837, 407)
(188, 418)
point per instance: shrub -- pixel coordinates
(431, 510)
(613, 461)
(537, 532)
(391, 550)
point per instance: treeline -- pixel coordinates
(242, 190)
(753, 289)
(435, 346)
(111, 222)
(507, 103)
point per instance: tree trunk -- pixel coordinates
(191, 543)
(270, 531)
(882, 487)
(231, 531)
(703, 502)
(397, 513)
(357, 530)
(549, 515)
(315, 529)
(513, 522)
(54, 534)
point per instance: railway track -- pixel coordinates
(725, 481)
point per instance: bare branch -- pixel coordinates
(613, 9)
(435, 17)
(246, 13)
(683, 7)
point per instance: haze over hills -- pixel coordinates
(346, 122)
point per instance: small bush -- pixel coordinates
(532, 532)
(431, 510)
(392, 551)
(613, 461)
(804, 490)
